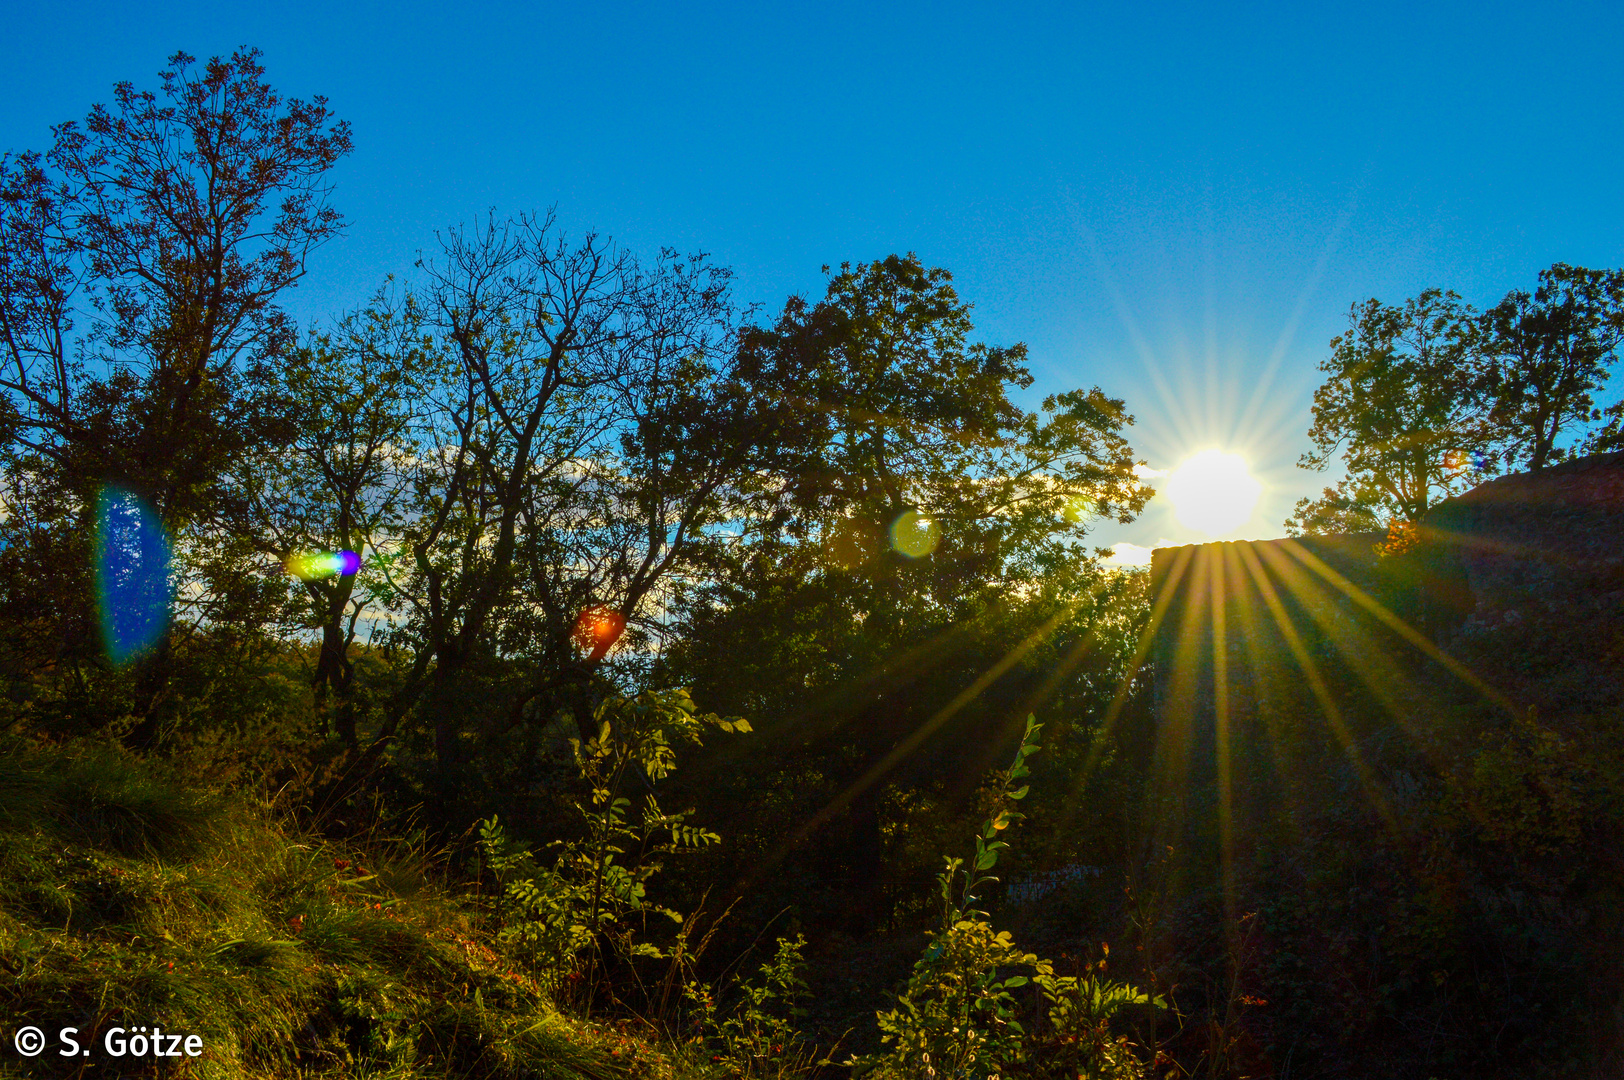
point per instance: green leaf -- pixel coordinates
(987, 860)
(1021, 792)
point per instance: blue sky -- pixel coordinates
(1177, 202)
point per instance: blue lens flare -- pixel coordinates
(132, 574)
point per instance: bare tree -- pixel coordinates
(584, 445)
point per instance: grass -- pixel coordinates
(129, 899)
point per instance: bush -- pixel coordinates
(959, 1017)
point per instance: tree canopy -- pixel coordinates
(1405, 403)
(1423, 400)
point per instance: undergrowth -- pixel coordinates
(129, 900)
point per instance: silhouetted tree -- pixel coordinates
(141, 260)
(1548, 352)
(1406, 406)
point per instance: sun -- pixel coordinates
(1213, 492)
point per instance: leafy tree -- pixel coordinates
(846, 640)
(1405, 403)
(141, 261)
(350, 401)
(580, 448)
(1609, 437)
(896, 411)
(1549, 351)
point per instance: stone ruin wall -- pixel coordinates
(1525, 573)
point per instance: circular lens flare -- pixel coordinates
(597, 628)
(915, 536)
(1213, 492)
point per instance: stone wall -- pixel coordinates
(1523, 575)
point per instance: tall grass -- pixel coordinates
(127, 899)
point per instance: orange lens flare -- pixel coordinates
(598, 628)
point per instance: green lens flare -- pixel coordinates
(322, 564)
(915, 536)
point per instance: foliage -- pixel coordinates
(959, 1016)
(1549, 351)
(867, 662)
(759, 1036)
(127, 898)
(577, 478)
(1405, 403)
(557, 916)
(349, 399)
(1426, 399)
(581, 436)
(1080, 1039)
(891, 410)
(141, 261)
(168, 225)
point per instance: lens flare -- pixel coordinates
(597, 628)
(914, 536)
(1464, 461)
(323, 564)
(132, 574)
(1077, 508)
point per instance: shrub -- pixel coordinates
(556, 916)
(959, 1018)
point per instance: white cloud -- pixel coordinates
(1145, 472)
(1126, 554)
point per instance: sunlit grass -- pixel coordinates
(127, 898)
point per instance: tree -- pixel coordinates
(1548, 352)
(350, 400)
(141, 260)
(873, 650)
(1406, 404)
(898, 422)
(140, 263)
(1609, 437)
(581, 446)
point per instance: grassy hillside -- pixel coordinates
(128, 899)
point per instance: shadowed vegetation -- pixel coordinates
(567, 674)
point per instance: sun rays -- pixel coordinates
(1260, 667)
(1213, 492)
